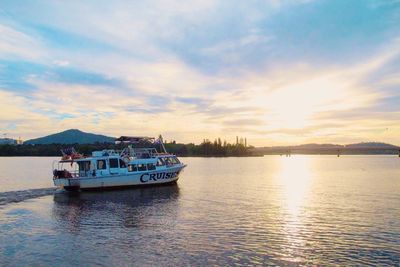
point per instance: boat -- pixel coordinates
(109, 168)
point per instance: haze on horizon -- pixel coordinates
(276, 72)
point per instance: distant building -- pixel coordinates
(19, 141)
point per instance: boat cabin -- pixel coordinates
(109, 162)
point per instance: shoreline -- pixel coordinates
(240, 156)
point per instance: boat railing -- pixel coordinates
(140, 153)
(65, 174)
(63, 169)
(69, 174)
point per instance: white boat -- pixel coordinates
(112, 168)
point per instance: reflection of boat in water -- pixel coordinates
(110, 168)
(127, 196)
(131, 207)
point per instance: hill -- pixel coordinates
(8, 141)
(358, 148)
(372, 145)
(318, 146)
(72, 136)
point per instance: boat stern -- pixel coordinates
(67, 183)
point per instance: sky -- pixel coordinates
(278, 72)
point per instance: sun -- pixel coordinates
(295, 105)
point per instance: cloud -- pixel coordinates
(61, 63)
(20, 75)
(276, 71)
(17, 44)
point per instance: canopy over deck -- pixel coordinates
(134, 139)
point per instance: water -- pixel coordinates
(300, 210)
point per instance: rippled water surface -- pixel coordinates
(299, 210)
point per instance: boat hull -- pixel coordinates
(158, 177)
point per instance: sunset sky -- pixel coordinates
(276, 72)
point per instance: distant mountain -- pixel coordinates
(359, 148)
(306, 146)
(318, 146)
(72, 136)
(8, 141)
(372, 145)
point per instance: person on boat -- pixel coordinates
(67, 174)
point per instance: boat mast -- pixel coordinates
(162, 143)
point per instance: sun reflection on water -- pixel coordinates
(295, 180)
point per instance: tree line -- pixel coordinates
(205, 149)
(210, 149)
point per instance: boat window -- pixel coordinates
(122, 164)
(132, 168)
(101, 164)
(160, 162)
(113, 163)
(175, 160)
(151, 166)
(84, 165)
(141, 167)
(168, 161)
